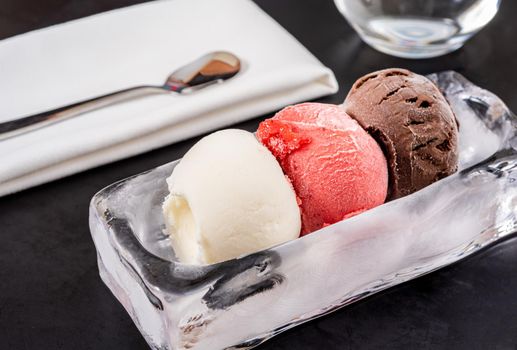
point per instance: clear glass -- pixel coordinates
(242, 302)
(417, 28)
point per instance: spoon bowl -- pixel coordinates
(218, 65)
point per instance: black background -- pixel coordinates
(51, 296)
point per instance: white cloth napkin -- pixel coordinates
(138, 45)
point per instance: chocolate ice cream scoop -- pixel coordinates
(410, 118)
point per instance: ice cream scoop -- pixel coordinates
(228, 197)
(412, 121)
(336, 168)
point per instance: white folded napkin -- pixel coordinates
(139, 45)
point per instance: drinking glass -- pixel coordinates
(417, 28)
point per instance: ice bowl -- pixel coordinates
(240, 303)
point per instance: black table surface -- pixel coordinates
(51, 296)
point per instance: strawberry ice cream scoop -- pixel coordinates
(336, 168)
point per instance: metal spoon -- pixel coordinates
(212, 68)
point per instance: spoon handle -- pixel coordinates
(26, 124)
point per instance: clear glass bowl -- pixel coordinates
(242, 302)
(417, 28)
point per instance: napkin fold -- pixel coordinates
(141, 45)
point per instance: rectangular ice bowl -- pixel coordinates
(242, 302)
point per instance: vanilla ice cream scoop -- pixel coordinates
(228, 197)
